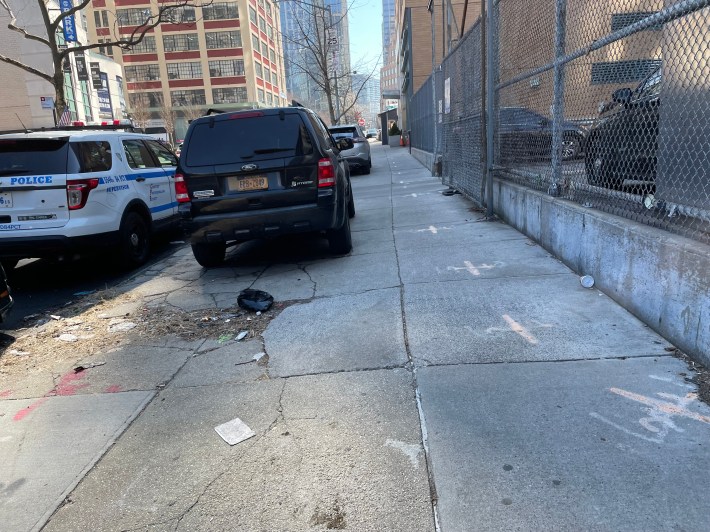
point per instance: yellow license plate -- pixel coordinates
(245, 184)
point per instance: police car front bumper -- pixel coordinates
(54, 245)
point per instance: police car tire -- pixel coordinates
(135, 240)
(209, 255)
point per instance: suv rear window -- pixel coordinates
(344, 132)
(33, 156)
(247, 139)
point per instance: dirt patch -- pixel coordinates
(333, 518)
(90, 326)
(701, 377)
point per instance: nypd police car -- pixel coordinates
(63, 191)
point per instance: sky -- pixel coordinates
(365, 18)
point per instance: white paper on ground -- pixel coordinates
(234, 431)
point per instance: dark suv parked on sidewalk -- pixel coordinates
(262, 173)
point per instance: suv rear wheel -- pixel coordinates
(351, 205)
(340, 240)
(135, 240)
(209, 255)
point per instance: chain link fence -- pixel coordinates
(603, 103)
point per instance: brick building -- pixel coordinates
(226, 54)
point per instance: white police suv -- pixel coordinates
(63, 191)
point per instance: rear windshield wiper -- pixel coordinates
(13, 172)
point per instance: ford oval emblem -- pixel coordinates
(249, 167)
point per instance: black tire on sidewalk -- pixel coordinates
(209, 255)
(134, 244)
(340, 240)
(351, 204)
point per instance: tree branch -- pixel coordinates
(27, 68)
(12, 25)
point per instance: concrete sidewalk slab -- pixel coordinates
(345, 333)
(602, 445)
(354, 273)
(375, 219)
(455, 234)
(233, 363)
(375, 241)
(330, 452)
(476, 260)
(520, 319)
(49, 444)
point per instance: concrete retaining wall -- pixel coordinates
(661, 278)
(424, 157)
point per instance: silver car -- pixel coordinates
(358, 156)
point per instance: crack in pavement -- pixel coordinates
(303, 268)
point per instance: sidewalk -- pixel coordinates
(447, 373)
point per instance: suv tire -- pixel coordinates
(209, 255)
(351, 204)
(340, 240)
(134, 242)
(366, 169)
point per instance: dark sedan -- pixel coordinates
(623, 141)
(524, 135)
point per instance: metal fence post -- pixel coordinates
(490, 95)
(558, 104)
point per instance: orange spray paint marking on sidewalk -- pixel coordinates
(519, 329)
(65, 386)
(667, 408)
(26, 411)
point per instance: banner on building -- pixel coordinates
(105, 109)
(95, 74)
(447, 96)
(68, 23)
(81, 71)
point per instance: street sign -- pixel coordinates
(68, 24)
(361, 122)
(47, 102)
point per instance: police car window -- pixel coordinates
(137, 155)
(651, 86)
(163, 154)
(93, 156)
(33, 156)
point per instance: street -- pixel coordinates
(447, 374)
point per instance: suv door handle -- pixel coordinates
(140, 179)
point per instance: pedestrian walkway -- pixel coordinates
(446, 374)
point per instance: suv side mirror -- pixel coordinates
(345, 144)
(622, 96)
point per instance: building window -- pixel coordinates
(265, 50)
(183, 98)
(252, 15)
(220, 11)
(181, 42)
(229, 95)
(269, 98)
(267, 74)
(181, 14)
(190, 70)
(147, 45)
(101, 19)
(621, 20)
(623, 71)
(106, 50)
(262, 24)
(226, 67)
(149, 99)
(261, 93)
(224, 39)
(142, 72)
(255, 43)
(274, 79)
(270, 32)
(272, 56)
(258, 70)
(268, 8)
(132, 16)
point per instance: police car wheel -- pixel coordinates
(209, 255)
(135, 241)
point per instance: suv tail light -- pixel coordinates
(78, 192)
(181, 193)
(326, 173)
